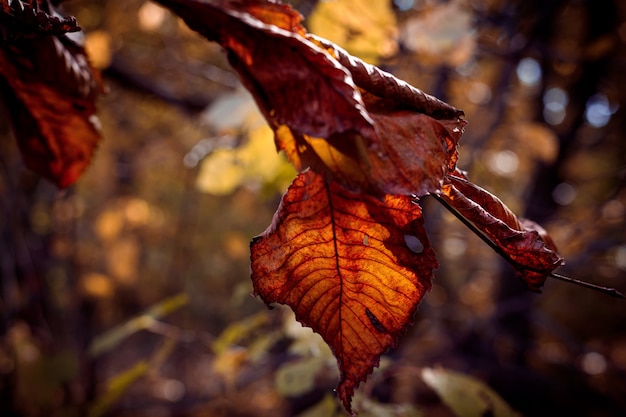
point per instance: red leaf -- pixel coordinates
(51, 90)
(412, 146)
(378, 133)
(288, 75)
(528, 247)
(352, 267)
(385, 85)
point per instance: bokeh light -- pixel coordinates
(555, 102)
(598, 110)
(529, 72)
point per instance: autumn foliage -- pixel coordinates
(347, 250)
(50, 90)
(352, 266)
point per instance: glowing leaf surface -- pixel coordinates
(341, 261)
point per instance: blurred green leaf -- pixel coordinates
(110, 339)
(118, 386)
(120, 383)
(365, 406)
(327, 407)
(240, 330)
(297, 378)
(254, 163)
(466, 396)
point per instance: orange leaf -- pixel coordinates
(530, 250)
(408, 153)
(51, 90)
(351, 266)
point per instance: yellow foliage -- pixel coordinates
(255, 163)
(441, 35)
(97, 285)
(364, 28)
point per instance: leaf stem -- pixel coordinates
(475, 230)
(606, 290)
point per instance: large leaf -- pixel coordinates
(257, 35)
(331, 112)
(353, 268)
(50, 90)
(412, 146)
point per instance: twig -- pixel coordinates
(606, 290)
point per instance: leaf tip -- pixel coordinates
(345, 392)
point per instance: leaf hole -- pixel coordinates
(413, 243)
(375, 322)
(79, 106)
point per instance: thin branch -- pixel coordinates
(476, 231)
(605, 290)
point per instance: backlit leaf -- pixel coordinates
(352, 267)
(409, 154)
(331, 111)
(412, 146)
(50, 89)
(257, 35)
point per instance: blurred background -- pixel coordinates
(128, 294)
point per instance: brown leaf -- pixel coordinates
(385, 85)
(19, 20)
(50, 89)
(352, 267)
(408, 153)
(412, 146)
(289, 77)
(526, 245)
(332, 112)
